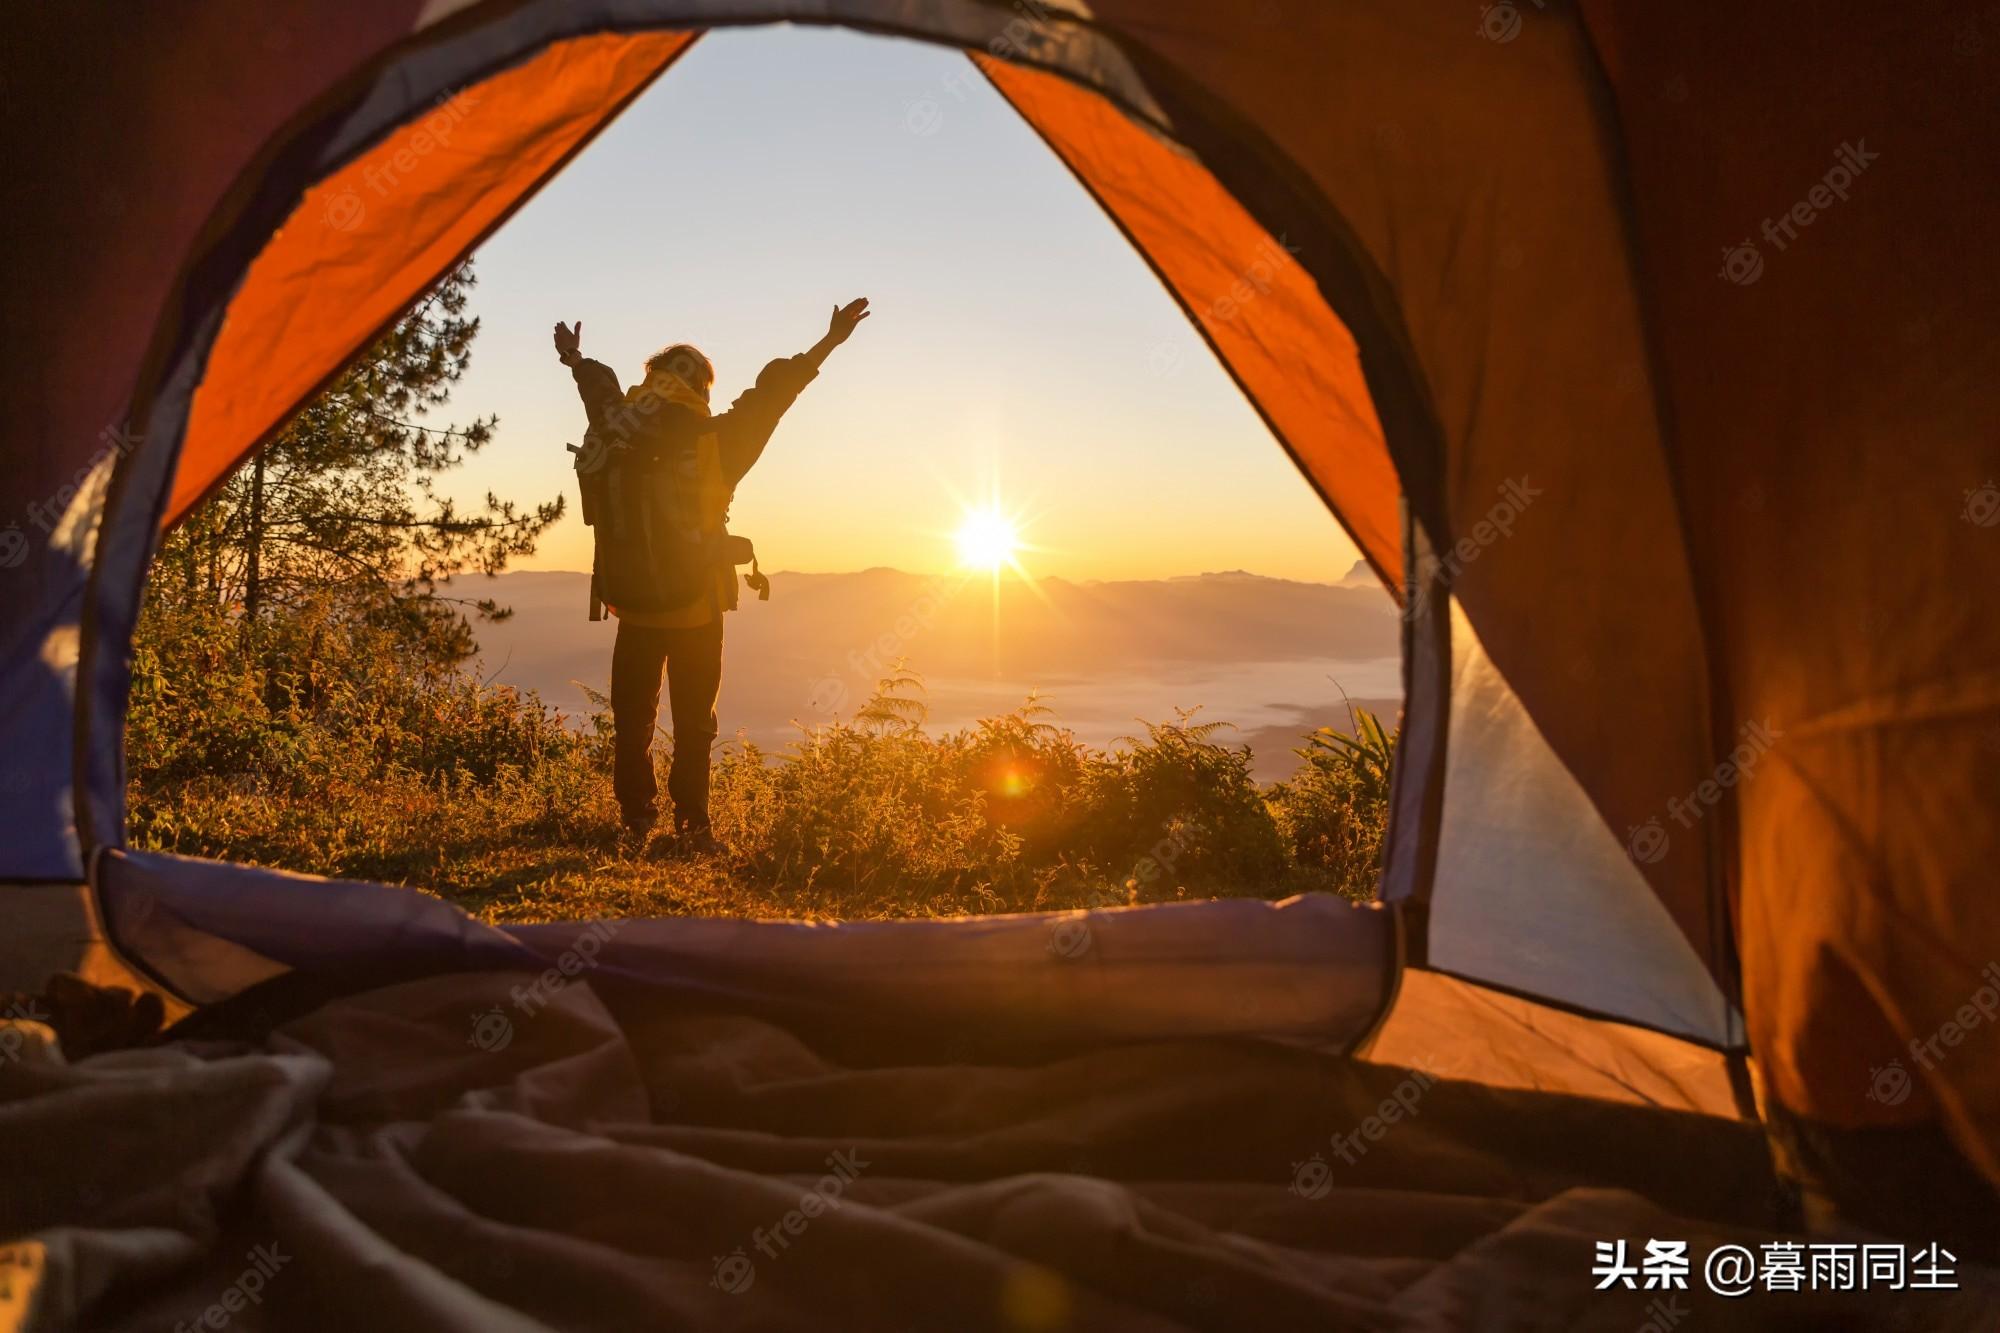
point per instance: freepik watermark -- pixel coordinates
(1401, 1101)
(47, 515)
(1501, 22)
(1494, 526)
(1069, 934)
(1159, 860)
(1663, 1313)
(1982, 505)
(736, 1271)
(493, 1029)
(13, 1041)
(1891, 1084)
(1981, 1007)
(1313, 1178)
(1647, 843)
(265, 1261)
(924, 116)
(1758, 738)
(344, 209)
(623, 422)
(1743, 263)
(830, 693)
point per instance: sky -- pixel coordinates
(1014, 350)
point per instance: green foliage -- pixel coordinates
(1332, 813)
(1179, 812)
(1362, 758)
(368, 762)
(322, 753)
(897, 706)
(297, 697)
(343, 500)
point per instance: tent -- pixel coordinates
(1647, 353)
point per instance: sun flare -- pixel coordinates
(987, 540)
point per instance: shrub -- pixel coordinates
(1178, 812)
(313, 743)
(1332, 813)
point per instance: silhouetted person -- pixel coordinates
(658, 474)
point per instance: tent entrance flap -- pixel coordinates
(1310, 971)
(367, 240)
(372, 235)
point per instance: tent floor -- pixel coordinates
(479, 1150)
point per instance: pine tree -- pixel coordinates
(342, 506)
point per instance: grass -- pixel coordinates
(316, 747)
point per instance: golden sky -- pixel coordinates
(1018, 345)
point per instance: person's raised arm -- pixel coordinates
(596, 382)
(746, 427)
(838, 330)
(568, 343)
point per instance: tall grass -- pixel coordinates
(312, 744)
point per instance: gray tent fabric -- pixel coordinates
(1313, 970)
(1535, 894)
(434, 1154)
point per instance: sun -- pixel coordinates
(987, 539)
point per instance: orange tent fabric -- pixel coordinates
(366, 239)
(1820, 256)
(1244, 290)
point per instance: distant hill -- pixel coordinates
(1361, 575)
(1271, 656)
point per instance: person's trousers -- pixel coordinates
(692, 662)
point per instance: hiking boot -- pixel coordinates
(632, 837)
(681, 844)
(698, 840)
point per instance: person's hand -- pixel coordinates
(567, 339)
(845, 317)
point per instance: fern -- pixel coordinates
(897, 707)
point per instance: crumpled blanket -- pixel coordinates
(475, 1151)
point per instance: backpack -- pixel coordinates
(593, 488)
(654, 548)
